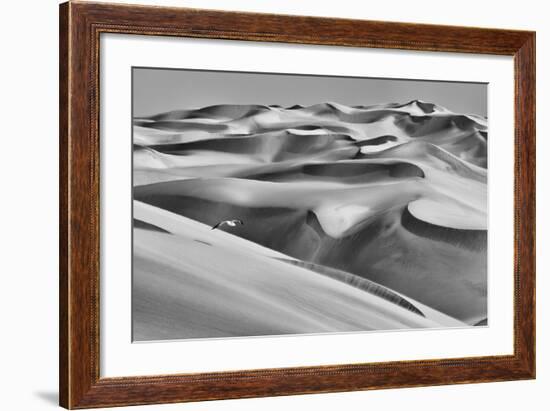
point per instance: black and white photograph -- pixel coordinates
(275, 205)
(284, 204)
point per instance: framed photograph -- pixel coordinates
(259, 205)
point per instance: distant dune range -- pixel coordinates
(393, 195)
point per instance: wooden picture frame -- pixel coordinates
(80, 27)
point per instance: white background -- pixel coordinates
(28, 103)
(121, 358)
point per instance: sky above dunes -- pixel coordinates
(160, 90)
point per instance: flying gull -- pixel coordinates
(230, 223)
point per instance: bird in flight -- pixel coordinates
(230, 223)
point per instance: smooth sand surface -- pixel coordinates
(199, 282)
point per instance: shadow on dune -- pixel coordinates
(281, 229)
(422, 105)
(220, 111)
(481, 323)
(432, 267)
(377, 141)
(422, 151)
(182, 126)
(275, 146)
(357, 282)
(343, 171)
(148, 226)
(474, 240)
(415, 126)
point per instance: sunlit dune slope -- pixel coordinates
(193, 282)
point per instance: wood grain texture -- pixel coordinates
(525, 203)
(80, 27)
(63, 204)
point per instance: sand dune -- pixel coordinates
(193, 283)
(459, 133)
(390, 197)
